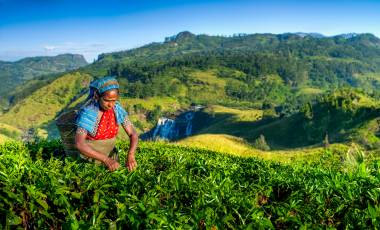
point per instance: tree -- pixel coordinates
(260, 143)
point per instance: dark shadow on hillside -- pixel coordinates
(224, 123)
(289, 132)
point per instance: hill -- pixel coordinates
(13, 74)
(255, 68)
(276, 74)
(8, 132)
(249, 67)
(339, 116)
(41, 107)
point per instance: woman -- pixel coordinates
(98, 122)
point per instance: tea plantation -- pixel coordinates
(186, 188)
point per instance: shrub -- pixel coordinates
(260, 143)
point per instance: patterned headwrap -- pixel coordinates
(102, 85)
(89, 115)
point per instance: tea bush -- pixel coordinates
(183, 188)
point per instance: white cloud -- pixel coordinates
(50, 48)
(88, 50)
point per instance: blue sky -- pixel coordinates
(50, 27)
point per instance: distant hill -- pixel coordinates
(279, 68)
(340, 116)
(275, 73)
(13, 74)
(41, 107)
(295, 61)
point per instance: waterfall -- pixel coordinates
(165, 129)
(189, 118)
(172, 129)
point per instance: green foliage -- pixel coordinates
(345, 114)
(155, 114)
(261, 144)
(246, 63)
(176, 187)
(10, 133)
(14, 74)
(45, 103)
(286, 70)
(333, 112)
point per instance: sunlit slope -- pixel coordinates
(43, 105)
(8, 132)
(239, 147)
(4, 138)
(339, 117)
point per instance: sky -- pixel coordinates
(50, 27)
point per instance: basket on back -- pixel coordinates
(67, 128)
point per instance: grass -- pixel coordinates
(4, 138)
(368, 81)
(309, 91)
(229, 120)
(244, 124)
(9, 132)
(43, 105)
(209, 77)
(238, 114)
(10, 128)
(206, 86)
(239, 147)
(167, 104)
(366, 102)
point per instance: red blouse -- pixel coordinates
(107, 128)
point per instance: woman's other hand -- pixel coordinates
(111, 164)
(131, 163)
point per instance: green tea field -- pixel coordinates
(177, 187)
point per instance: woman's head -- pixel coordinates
(107, 99)
(105, 91)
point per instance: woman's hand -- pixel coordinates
(131, 163)
(111, 164)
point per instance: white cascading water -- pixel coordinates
(168, 129)
(189, 126)
(164, 129)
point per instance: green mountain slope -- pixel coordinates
(339, 116)
(43, 105)
(255, 68)
(13, 74)
(278, 74)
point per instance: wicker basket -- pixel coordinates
(67, 129)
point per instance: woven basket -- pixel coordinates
(67, 129)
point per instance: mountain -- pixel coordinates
(16, 73)
(43, 105)
(340, 116)
(314, 35)
(276, 74)
(253, 67)
(348, 35)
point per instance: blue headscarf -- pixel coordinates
(89, 115)
(102, 85)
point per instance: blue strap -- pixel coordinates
(87, 116)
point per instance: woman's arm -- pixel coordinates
(85, 149)
(133, 141)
